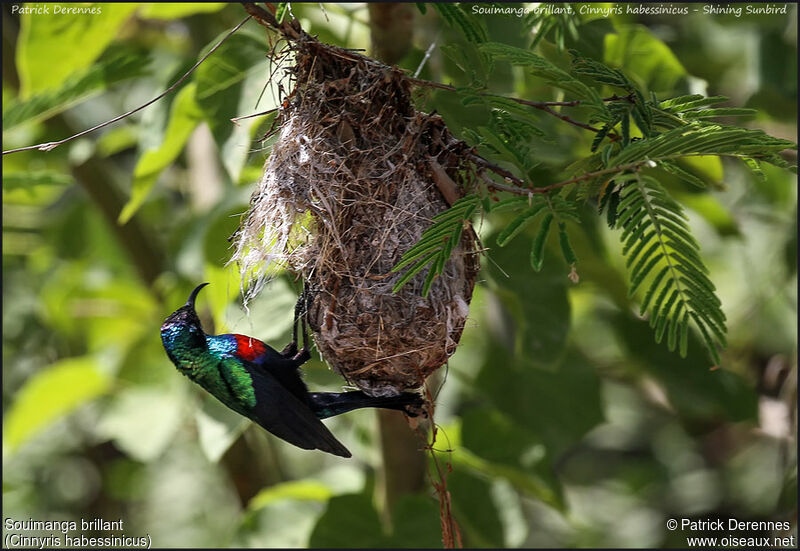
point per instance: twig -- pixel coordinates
(537, 104)
(289, 28)
(629, 98)
(451, 532)
(262, 16)
(47, 146)
(268, 20)
(234, 120)
(588, 176)
(427, 56)
(545, 106)
(563, 117)
(477, 159)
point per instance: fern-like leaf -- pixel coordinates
(436, 243)
(521, 222)
(280, 13)
(704, 139)
(542, 68)
(663, 257)
(473, 28)
(537, 249)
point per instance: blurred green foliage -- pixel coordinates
(564, 423)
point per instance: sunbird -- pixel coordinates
(264, 385)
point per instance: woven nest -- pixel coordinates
(354, 178)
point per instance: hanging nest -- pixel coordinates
(354, 178)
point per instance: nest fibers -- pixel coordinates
(355, 177)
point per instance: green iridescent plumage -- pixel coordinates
(261, 383)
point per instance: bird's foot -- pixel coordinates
(289, 350)
(417, 408)
(302, 357)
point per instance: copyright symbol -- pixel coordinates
(672, 524)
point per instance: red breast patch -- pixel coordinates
(249, 348)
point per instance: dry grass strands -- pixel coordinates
(355, 177)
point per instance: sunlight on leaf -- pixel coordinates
(43, 59)
(305, 490)
(51, 394)
(218, 427)
(183, 119)
(177, 10)
(142, 420)
(637, 51)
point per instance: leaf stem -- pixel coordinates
(588, 176)
(545, 106)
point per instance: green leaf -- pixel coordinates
(598, 138)
(280, 13)
(117, 140)
(350, 521)
(722, 112)
(496, 437)
(142, 420)
(414, 270)
(542, 68)
(473, 28)
(703, 139)
(685, 103)
(699, 394)
(519, 223)
(500, 447)
(681, 100)
(537, 249)
(544, 401)
(184, 117)
(673, 168)
(303, 490)
(178, 10)
(566, 247)
(600, 73)
(475, 509)
(80, 86)
(229, 84)
(637, 51)
(51, 394)
(28, 180)
(654, 235)
(537, 301)
(625, 128)
(436, 243)
(54, 45)
(510, 203)
(415, 523)
(218, 427)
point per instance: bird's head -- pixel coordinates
(184, 321)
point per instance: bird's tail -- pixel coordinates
(329, 404)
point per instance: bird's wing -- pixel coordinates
(285, 416)
(251, 351)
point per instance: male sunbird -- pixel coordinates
(264, 385)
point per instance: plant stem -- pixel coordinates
(588, 176)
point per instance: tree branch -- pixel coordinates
(266, 18)
(545, 106)
(491, 184)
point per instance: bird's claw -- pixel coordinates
(417, 408)
(303, 356)
(289, 350)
